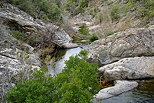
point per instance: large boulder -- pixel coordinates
(130, 43)
(129, 68)
(47, 33)
(120, 87)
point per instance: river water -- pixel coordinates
(60, 64)
(144, 93)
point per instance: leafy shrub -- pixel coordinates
(84, 30)
(76, 6)
(76, 84)
(19, 35)
(111, 33)
(43, 9)
(99, 17)
(93, 38)
(93, 11)
(114, 12)
(30, 39)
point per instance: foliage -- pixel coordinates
(114, 12)
(93, 38)
(143, 8)
(99, 17)
(147, 8)
(76, 84)
(84, 30)
(111, 33)
(43, 9)
(93, 11)
(19, 35)
(76, 6)
(30, 39)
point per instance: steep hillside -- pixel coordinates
(108, 16)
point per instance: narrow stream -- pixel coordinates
(142, 94)
(60, 64)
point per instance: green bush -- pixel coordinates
(84, 30)
(111, 33)
(76, 84)
(30, 39)
(93, 38)
(76, 6)
(43, 9)
(19, 35)
(114, 12)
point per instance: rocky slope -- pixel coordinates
(47, 33)
(124, 55)
(130, 43)
(18, 58)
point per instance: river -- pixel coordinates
(144, 93)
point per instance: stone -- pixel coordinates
(70, 45)
(129, 68)
(121, 86)
(47, 33)
(129, 43)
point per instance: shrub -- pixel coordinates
(76, 6)
(19, 35)
(111, 33)
(114, 12)
(30, 39)
(84, 30)
(93, 38)
(43, 9)
(76, 84)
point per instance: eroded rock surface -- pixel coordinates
(120, 87)
(130, 43)
(13, 60)
(129, 68)
(48, 34)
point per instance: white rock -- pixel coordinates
(129, 68)
(120, 87)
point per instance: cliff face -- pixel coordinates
(17, 56)
(47, 34)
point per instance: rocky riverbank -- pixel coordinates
(126, 56)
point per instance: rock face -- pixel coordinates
(120, 87)
(130, 43)
(129, 68)
(11, 64)
(49, 34)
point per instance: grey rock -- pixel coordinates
(48, 33)
(120, 87)
(130, 43)
(129, 68)
(13, 60)
(70, 45)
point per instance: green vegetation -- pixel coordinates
(143, 8)
(111, 33)
(114, 12)
(76, 6)
(43, 9)
(30, 39)
(93, 38)
(84, 30)
(76, 84)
